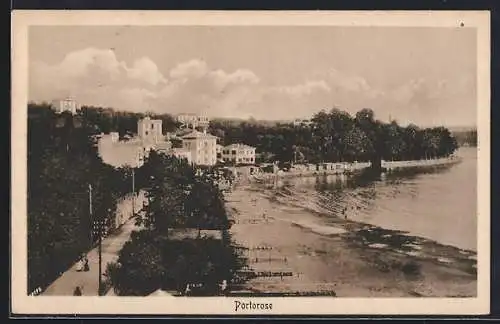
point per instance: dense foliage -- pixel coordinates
(337, 136)
(125, 123)
(62, 163)
(150, 261)
(178, 197)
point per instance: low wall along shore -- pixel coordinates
(353, 168)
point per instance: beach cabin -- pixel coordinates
(339, 167)
(114, 137)
(311, 167)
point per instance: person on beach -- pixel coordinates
(77, 291)
(344, 212)
(80, 264)
(86, 264)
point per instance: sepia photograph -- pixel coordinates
(221, 159)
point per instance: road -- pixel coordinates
(88, 281)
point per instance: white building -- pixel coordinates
(239, 154)
(150, 130)
(193, 120)
(302, 122)
(119, 154)
(67, 104)
(202, 146)
(115, 137)
(181, 153)
(163, 147)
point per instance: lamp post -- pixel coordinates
(91, 218)
(100, 258)
(99, 224)
(133, 191)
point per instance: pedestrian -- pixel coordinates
(187, 291)
(77, 291)
(79, 265)
(86, 264)
(223, 287)
(344, 212)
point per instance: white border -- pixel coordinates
(22, 304)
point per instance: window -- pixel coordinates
(233, 152)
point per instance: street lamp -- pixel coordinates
(132, 167)
(133, 191)
(99, 224)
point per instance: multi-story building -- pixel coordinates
(202, 146)
(302, 122)
(239, 154)
(119, 154)
(150, 130)
(193, 120)
(67, 104)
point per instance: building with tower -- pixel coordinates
(150, 130)
(188, 120)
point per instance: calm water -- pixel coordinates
(441, 205)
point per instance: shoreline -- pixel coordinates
(349, 259)
(351, 169)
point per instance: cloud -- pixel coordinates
(304, 89)
(190, 69)
(79, 63)
(240, 76)
(351, 83)
(146, 70)
(98, 77)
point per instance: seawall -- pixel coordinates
(349, 169)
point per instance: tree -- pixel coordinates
(332, 137)
(205, 207)
(62, 162)
(167, 182)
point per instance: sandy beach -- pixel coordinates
(345, 259)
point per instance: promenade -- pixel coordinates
(88, 281)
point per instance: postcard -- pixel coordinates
(250, 163)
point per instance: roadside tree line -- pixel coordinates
(62, 162)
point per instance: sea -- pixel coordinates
(438, 204)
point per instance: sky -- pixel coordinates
(421, 75)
